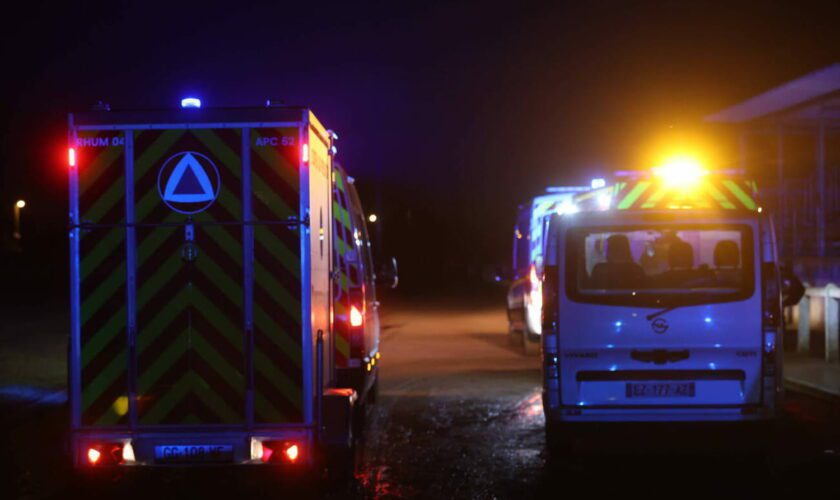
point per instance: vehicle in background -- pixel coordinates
(356, 322)
(524, 295)
(201, 292)
(663, 302)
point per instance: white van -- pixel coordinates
(524, 295)
(662, 310)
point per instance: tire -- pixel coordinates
(513, 336)
(358, 422)
(558, 444)
(529, 346)
(341, 467)
(373, 392)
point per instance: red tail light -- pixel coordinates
(108, 454)
(356, 317)
(280, 451)
(71, 157)
(304, 153)
(94, 456)
(292, 453)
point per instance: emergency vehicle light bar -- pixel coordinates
(567, 189)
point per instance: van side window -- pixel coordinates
(362, 243)
(522, 242)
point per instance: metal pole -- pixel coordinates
(832, 325)
(319, 381)
(803, 336)
(821, 189)
(781, 195)
(16, 234)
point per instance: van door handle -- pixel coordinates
(659, 356)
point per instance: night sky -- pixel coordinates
(449, 114)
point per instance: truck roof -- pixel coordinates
(190, 117)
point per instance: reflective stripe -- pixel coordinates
(712, 193)
(740, 194)
(634, 194)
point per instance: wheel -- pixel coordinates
(373, 392)
(341, 466)
(358, 422)
(559, 444)
(513, 336)
(529, 346)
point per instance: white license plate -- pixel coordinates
(660, 389)
(194, 453)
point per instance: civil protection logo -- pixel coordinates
(188, 182)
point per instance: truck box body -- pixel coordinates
(200, 278)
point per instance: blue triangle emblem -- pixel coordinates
(188, 183)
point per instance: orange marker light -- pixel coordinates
(356, 318)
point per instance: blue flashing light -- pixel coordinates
(191, 102)
(613, 368)
(598, 183)
(712, 366)
(618, 325)
(708, 320)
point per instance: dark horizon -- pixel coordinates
(449, 115)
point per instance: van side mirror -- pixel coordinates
(498, 275)
(792, 288)
(388, 275)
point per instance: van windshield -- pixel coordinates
(660, 265)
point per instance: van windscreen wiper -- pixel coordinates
(660, 312)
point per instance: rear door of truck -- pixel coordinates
(188, 276)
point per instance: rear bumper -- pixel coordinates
(145, 442)
(642, 415)
(357, 378)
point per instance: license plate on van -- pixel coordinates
(660, 389)
(194, 453)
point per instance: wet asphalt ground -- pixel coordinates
(459, 416)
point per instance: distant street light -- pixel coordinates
(18, 205)
(372, 217)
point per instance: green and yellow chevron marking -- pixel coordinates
(190, 314)
(727, 194)
(102, 281)
(278, 393)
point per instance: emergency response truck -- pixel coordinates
(662, 302)
(524, 296)
(203, 287)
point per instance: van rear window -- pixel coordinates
(659, 265)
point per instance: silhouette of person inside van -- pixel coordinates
(619, 271)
